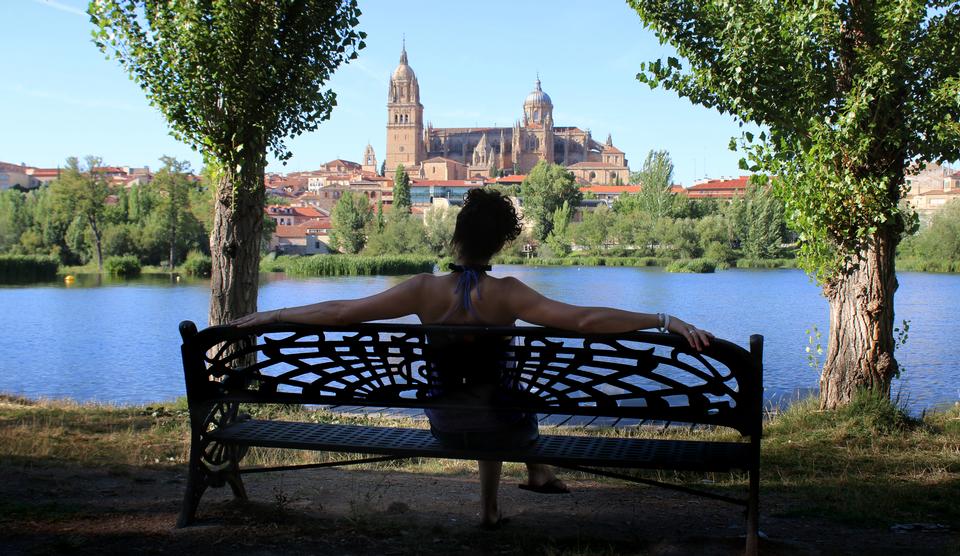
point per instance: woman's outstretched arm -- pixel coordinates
(398, 301)
(535, 308)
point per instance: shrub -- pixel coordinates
(198, 264)
(126, 266)
(766, 263)
(698, 266)
(27, 268)
(273, 263)
(347, 265)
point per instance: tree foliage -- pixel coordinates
(82, 192)
(234, 79)
(758, 221)
(559, 238)
(232, 76)
(656, 177)
(439, 223)
(173, 183)
(849, 94)
(349, 218)
(593, 231)
(543, 191)
(938, 241)
(401, 190)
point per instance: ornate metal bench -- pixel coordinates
(643, 376)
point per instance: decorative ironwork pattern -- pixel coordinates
(635, 375)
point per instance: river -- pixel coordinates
(117, 341)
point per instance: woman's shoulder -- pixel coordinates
(507, 284)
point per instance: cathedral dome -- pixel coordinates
(404, 71)
(537, 96)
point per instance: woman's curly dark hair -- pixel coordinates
(486, 222)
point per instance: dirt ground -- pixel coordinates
(59, 510)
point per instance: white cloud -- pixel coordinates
(61, 7)
(72, 101)
(376, 75)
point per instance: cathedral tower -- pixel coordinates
(538, 119)
(369, 160)
(404, 118)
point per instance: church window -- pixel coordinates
(613, 176)
(593, 175)
(401, 148)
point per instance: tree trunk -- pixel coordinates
(97, 243)
(235, 245)
(860, 349)
(173, 243)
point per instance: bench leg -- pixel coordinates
(232, 473)
(196, 485)
(211, 465)
(753, 513)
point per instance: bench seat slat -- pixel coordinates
(682, 455)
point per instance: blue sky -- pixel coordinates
(475, 61)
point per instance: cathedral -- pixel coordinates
(459, 153)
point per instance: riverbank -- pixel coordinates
(83, 478)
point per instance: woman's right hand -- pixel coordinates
(697, 338)
(254, 319)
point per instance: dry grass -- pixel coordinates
(867, 464)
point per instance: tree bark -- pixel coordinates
(97, 243)
(861, 343)
(235, 245)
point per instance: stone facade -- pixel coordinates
(481, 151)
(931, 189)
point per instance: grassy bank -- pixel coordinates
(869, 465)
(27, 268)
(348, 265)
(911, 264)
(386, 265)
(671, 265)
(91, 268)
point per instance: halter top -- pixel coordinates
(469, 278)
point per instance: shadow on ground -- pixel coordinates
(52, 509)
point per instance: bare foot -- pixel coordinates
(541, 478)
(490, 517)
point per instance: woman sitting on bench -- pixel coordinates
(469, 296)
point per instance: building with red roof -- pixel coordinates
(285, 215)
(722, 188)
(308, 238)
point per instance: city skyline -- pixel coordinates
(475, 67)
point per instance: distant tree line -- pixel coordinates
(654, 222)
(82, 218)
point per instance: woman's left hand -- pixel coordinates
(697, 338)
(255, 319)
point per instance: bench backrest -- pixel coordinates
(641, 375)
